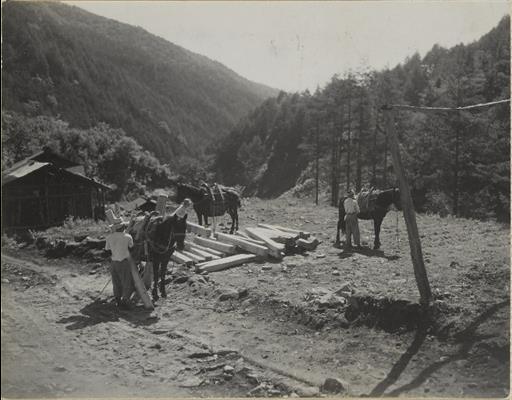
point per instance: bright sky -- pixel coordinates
(294, 45)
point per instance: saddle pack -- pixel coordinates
(142, 228)
(366, 200)
(216, 195)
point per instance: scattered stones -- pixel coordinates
(266, 267)
(79, 238)
(307, 391)
(320, 256)
(59, 368)
(180, 279)
(228, 369)
(336, 273)
(228, 294)
(332, 385)
(345, 287)
(200, 354)
(5, 281)
(156, 346)
(191, 382)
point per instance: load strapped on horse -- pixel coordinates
(211, 202)
(215, 195)
(156, 237)
(366, 199)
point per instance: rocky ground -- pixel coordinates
(323, 323)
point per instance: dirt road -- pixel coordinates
(269, 336)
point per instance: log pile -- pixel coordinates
(214, 252)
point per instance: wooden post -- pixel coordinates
(408, 210)
(317, 157)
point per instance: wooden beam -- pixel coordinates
(244, 236)
(408, 211)
(275, 248)
(302, 234)
(194, 257)
(245, 245)
(206, 256)
(209, 250)
(198, 229)
(181, 258)
(225, 248)
(278, 236)
(160, 204)
(224, 263)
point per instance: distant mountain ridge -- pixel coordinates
(62, 61)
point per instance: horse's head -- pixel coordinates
(180, 193)
(172, 230)
(180, 229)
(184, 191)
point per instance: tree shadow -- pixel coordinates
(467, 337)
(101, 311)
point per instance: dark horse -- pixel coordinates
(203, 202)
(383, 200)
(160, 236)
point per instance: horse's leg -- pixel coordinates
(338, 227)
(163, 272)
(205, 219)
(232, 215)
(236, 218)
(154, 292)
(199, 218)
(377, 221)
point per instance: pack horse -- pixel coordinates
(156, 237)
(378, 207)
(211, 202)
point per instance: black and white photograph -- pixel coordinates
(254, 199)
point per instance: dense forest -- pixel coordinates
(63, 62)
(106, 153)
(458, 162)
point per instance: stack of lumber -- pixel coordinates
(214, 252)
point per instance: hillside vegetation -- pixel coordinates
(456, 162)
(63, 62)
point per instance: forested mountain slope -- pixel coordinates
(62, 61)
(456, 162)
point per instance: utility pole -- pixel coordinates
(408, 210)
(317, 156)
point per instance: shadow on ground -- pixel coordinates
(467, 337)
(365, 251)
(101, 311)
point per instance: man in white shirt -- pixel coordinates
(119, 242)
(351, 222)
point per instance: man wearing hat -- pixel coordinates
(182, 210)
(119, 243)
(351, 222)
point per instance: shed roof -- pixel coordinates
(19, 171)
(28, 166)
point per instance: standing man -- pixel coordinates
(119, 243)
(351, 222)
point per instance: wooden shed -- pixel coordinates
(44, 189)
